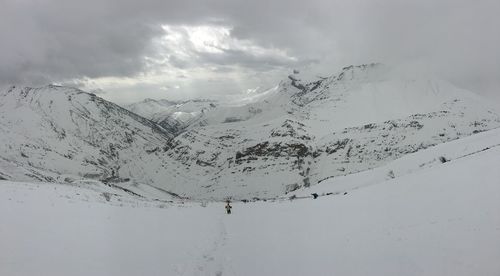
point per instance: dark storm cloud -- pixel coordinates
(49, 40)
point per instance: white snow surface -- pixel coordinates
(426, 218)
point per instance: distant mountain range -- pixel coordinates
(174, 116)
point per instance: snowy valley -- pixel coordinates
(365, 172)
(249, 138)
(294, 135)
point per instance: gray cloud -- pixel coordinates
(49, 40)
(242, 58)
(56, 40)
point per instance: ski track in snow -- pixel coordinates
(213, 260)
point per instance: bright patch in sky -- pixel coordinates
(187, 41)
(194, 60)
(207, 38)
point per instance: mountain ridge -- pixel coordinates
(296, 135)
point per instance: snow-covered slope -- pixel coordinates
(428, 218)
(294, 135)
(63, 134)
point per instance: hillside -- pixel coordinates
(62, 134)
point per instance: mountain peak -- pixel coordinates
(366, 66)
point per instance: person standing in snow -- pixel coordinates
(228, 208)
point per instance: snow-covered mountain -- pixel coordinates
(294, 135)
(62, 134)
(149, 107)
(304, 132)
(174, 116)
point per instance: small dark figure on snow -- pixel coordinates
(315, 195)
(228, 207)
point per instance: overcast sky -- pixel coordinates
(219, 49)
